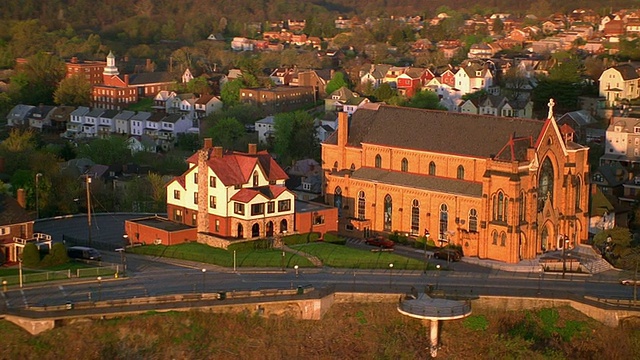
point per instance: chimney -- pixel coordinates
(126, 79)
(22, 198)
(343, 129)
(74, 60)
(253, 149)
(208, 143)
(217, 152)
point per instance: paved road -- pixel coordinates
(153, 277)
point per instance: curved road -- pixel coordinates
(152, 276)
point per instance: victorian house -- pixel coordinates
(505, 189)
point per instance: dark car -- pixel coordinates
(84, 253)
(447, 254)
(380, 241)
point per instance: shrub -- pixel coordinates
(57, 256)
(30, 255)
(334, 239)
(300, 238)
(476, 323)
(251, 245)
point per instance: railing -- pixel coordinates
(33, 277)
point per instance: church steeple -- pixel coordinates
(111, 69)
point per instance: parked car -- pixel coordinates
(630, 282)
(84, 253)
(380, 241)
(447, 254)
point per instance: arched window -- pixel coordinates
(388, 212)
(522, 208)
(432, 168)
(494, 237)
(444, 221)
(378, 161)
(578, 195)
(503, 239)
(361, 205)
(500, 206)
(415, 217)
(335, 165)
(255, 179)
(545, 183)
(473, 220)
(337, 199)
(404, 166)
(461, 172)
(353, 167)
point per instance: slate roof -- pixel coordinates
(437, 131)
(627, 71)
(124, 115)
(150, 78)
(62, 113)
(172, 118)
(141, 116)
(426, 182)
(12, 213)
(269, 192)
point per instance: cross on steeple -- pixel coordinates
(551, 104)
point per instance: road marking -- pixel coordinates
(24, 298)
(62, 290)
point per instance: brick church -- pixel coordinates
(504, 189)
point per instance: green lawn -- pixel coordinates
(340, 256)
(145, 104)
(207, 254)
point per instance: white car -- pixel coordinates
(630, 282)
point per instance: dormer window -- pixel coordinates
(306, 186)
(255, 179)
(636, 129)
(618, 128)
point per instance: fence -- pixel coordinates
(41, 276)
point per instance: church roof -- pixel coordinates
(444, 132)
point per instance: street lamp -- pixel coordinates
(564, 257)
(204, 271)
(282, 261)
(38, 175)
(437, 275)
(99, 288)
(426, 241)
(20, 270)
(88, 185)
(541, 272)
(296, 267)
(390, 273)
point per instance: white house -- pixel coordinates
(473, 77)
(106, 122)
(122, 122)
(91, 120)
(265, 128)
(620, 82)
(138, 122)
(76, 120)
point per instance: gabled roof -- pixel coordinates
(204, 99)
(62, 113)
(343, 93)
(431, 130)
(12, 213)
(124, 115)
(141, 116)
(172, 118)
(235, 168)
(150, 78)
(627, 71)
(109, 114)
(80, 111)
(95, 112)
(247, 194)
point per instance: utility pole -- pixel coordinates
(88, 178)
(38, 175)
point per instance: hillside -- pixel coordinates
(349, 331)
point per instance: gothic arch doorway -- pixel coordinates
(283, 225)
(240, 231)
(269, 229)
(255, 230)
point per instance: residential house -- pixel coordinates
(266, 129)
(138, 122)
(278, 99)
(89, 70)
(391, 77)
(206, 105)
(232, 195)
(620, 82)
(16, 227)
(506, 173)
(609, 179)
(282, 75)
(61, 116)
(413, 80)
(76, 121)
(140, 143)
(106, 123)
(351, 105)
(170, 126)
(152, 125)
(480, 51)
(91, 121)
(622, 143)
(338, 98)
(604, 214)
(19, 115)
(162, 100)
(317, 79)
(579, 121)
(324, 129)
(40, 117)
(122, 122)
(375, 74)
(472, 77)
(241, 44)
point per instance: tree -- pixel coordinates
(384, 92)
(112, 150)
(73, 91)
(515, 84)
(336, 82)
(57, 255)
(227, 132)
(199, 85)
(37, 79)
(230, 93)
(158, 191)
(295, 137)
(479, 94)
(30, 255)
(425, 99)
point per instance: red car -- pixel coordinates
(380, 241)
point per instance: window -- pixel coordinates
(578, 196)
(503, 239)
(432, 168)
(473, 221)
(238, 208)
(404, 166)
(271, 207)
(415, 217)
(176, 194)
(494, 237)
(378, 161)
(212, 181)
(337, 199)
(195, 197)
(318, 219)
(444, 220)
(388, 211)
(461, 172)
(255, 179)
(217, 226)
(284, 205)
(257, 209)
(212, 201)
(195, 178)
(177, 215)
(522, 208)
(545, 184)
(335, 165)
(361, 205)
(194, 219)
